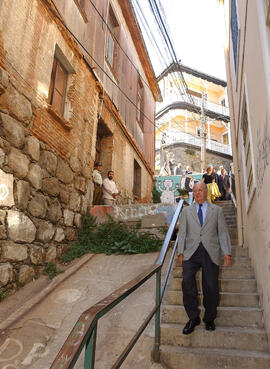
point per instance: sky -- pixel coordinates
(197, 30)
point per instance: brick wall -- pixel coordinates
(46, 159)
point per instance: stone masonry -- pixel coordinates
(42, 196)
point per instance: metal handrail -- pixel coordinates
(85, 330)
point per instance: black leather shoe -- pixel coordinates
(191, 324)
(210, 326)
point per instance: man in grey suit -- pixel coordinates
(203, 236)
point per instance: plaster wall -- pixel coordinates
(252, 83)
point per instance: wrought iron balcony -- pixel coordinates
(174, 98)
(182, 137)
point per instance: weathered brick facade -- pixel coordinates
(46, 158)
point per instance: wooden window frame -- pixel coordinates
(223, 135)
(267, 20)
(140, 103)
(113, 30)
(57, 64)
(81, 6)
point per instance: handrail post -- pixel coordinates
(90, 350)
(155, 352)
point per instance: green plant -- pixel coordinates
(3, 294)
(156, 196)
(182, 191)
(190, 152)
(51, 270)
(110, 237)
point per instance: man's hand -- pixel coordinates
(180, 259)
(227, 260)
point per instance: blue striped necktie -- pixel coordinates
(200, 215)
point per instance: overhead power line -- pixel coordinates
(93, 59)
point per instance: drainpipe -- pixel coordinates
(234, 150)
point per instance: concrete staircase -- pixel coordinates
(239, 340)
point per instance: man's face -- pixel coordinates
(110, 175)
(200, 193)
(99, 167)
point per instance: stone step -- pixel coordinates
(239, 251)
(225, 203)
(225, 285)
(182, 357)
(226, 316)
(236, 261)
(225, 299)
(233, 272)
(223, 337)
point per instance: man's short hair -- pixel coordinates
(97, 165)
(201, 182)
(110, 171)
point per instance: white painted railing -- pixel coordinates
(174, 98)
(174, 137)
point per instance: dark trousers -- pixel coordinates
(200, 259)
(97, 194)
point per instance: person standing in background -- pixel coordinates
(165, 170)
(97, 179)
(110, 190)
(178, 170)
(224, 184)
(215, 175)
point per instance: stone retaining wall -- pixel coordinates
(42, 197)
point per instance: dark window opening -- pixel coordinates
(137, 179)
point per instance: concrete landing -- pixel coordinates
(34, 340)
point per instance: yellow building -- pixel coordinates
(178, 119)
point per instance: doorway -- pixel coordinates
(104, 147)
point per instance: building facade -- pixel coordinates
(76, 86)
(178, 125)
(247, 61)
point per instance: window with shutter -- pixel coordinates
(112, 34)
(247, 156)
(139, 115)
(234, 32)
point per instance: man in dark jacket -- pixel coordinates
(224, 184)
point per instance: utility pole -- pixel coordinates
(203, 133)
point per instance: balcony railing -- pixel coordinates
(174, 98)
(174, 137)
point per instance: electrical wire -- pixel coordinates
(116, 40)
(157, 13)
(93, 59)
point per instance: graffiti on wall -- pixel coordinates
(168, 186)
(136, 211)
(263, 154)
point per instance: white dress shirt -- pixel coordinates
(109, 187)
(204, 209)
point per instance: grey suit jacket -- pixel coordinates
(213, 234)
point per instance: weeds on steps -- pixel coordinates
(110, 237)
